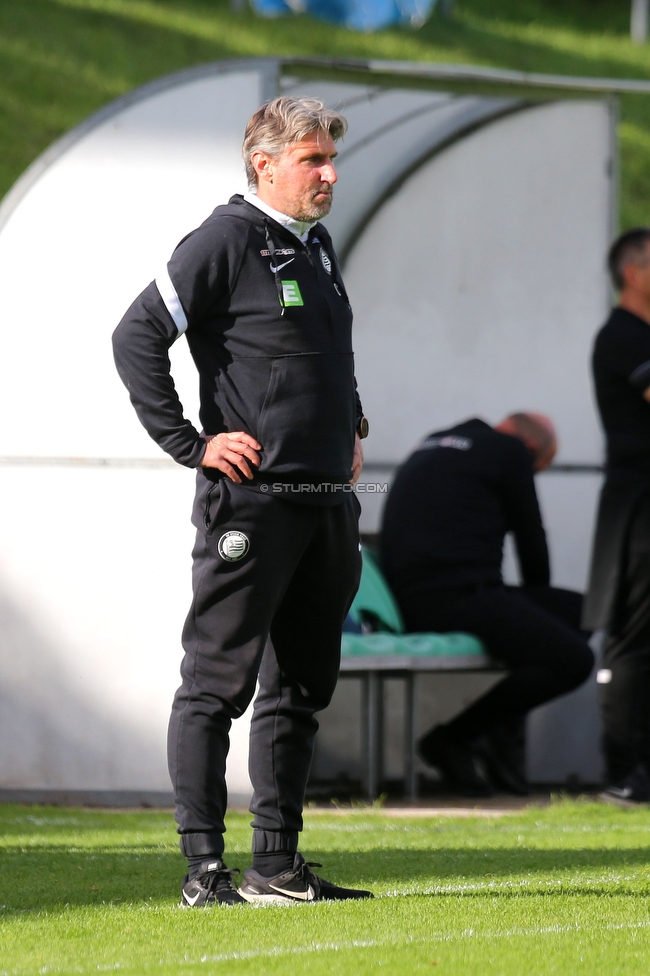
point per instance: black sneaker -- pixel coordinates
(298, 885)
(634, 791)
(456, 760)
(212, 886)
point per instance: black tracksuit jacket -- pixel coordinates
(269, 328)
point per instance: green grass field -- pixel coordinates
(62, 59)
(564, 890)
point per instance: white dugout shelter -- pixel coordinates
(472, 214)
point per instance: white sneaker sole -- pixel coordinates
(262, 899)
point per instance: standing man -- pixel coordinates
(448, 511)
(619, 593)
(258, 291)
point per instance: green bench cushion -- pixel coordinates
(374, 597)
(410, 645)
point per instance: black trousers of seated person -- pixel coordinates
(533, 631)
(295, 586)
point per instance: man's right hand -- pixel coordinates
(228, 452)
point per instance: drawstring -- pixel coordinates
(274, 264)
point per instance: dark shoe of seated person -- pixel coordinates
(633, 791)
(457, 761)
(502, 755)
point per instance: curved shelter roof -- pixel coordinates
(391, 134)
(473, 210)
(108, 202)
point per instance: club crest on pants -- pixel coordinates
(233, 546)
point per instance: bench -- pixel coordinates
(389, 652)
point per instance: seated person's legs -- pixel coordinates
(544, 656)
(504, 748)
(564, 604)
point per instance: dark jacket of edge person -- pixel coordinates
(621, 371)
(271, 342)
(451, 505)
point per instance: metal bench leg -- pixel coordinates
(410, 735)
(373, 729)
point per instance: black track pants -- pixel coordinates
(294, 585)
(625, 699)
(533, 632)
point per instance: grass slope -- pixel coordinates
(61, 59)
(559, 891)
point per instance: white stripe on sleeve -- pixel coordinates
(172, 301)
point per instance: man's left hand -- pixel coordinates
(357, 460)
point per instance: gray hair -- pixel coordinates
(284, 122)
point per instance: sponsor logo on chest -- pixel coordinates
(279, 267)
(291, 293)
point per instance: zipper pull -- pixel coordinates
(206, 513)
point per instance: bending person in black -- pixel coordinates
(446, 516)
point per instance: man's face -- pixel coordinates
(637, 276)
(300, 180)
